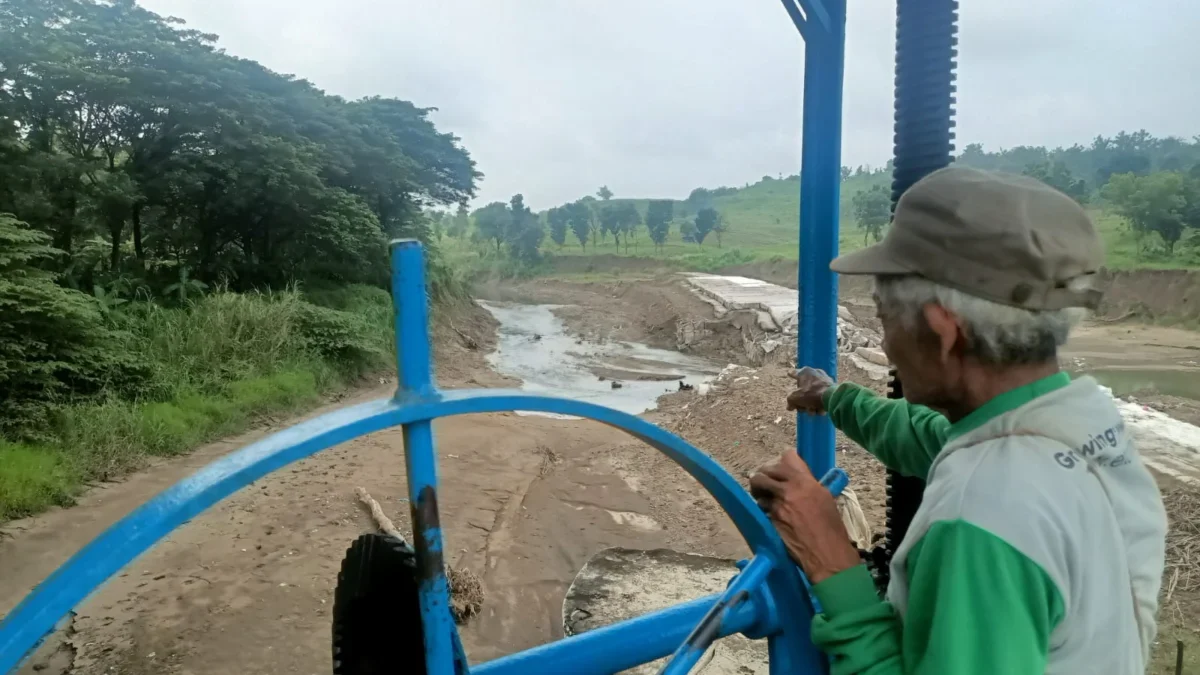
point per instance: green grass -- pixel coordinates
(763, 224)
(217, 366)
(33, 479)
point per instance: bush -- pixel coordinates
(341, 337)
(105, 440)
(54, 345)
(204, 370)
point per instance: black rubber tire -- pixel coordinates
(376, 610)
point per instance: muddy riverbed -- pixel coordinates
(535, 348)
(247, 587)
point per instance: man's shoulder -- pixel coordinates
(1010, 478)
(1022, 489)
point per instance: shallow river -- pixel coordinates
(535, 348)
(1181, 382)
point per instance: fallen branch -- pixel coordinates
(466, 589)
(467, 339)
(1127, 315)
(381, 520)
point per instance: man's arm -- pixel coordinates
(905, 437)
(975, 605)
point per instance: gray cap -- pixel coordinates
(1002, 237)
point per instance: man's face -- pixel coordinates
(926, 369)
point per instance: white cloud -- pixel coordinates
(556, 97)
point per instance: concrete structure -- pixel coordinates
(618, 584)
(776, 316)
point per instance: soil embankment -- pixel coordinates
(1168, 296)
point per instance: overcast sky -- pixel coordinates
(554, 98)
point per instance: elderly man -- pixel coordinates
(1039, 544)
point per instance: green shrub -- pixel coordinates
(220, 337)
(341, 337)
(94, 393)
(104, 440)
(54, 345)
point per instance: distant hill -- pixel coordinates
(762, 218)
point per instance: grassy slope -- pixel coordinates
(219, 365)
(763, 218)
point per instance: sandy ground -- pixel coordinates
(247, 587)
(526, 501)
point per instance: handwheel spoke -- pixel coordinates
(709, 628)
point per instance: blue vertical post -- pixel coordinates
(820, 193)
(414, 363)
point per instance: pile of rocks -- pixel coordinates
(760, 320)
(863, 346)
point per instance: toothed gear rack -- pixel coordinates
(387, 585)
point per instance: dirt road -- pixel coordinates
(247, 587)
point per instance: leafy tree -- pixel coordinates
(557, 217)
(687, 232)
(493, 223)
(698, 199)
(720, 228)
(658, 220)
(627, 221)
(1122, 162)
(125, 126)
(872, 210)
(588, 208)
(604, 193)
(579, 217)
(1058, 176)
(525, 231)
(610, 222)
(1127, 152)
(706, 222)
(1157, 203)
(460, 223)
(519, 211)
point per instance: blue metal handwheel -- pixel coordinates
(767, 599)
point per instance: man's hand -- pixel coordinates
(806, 516)
(811, 385)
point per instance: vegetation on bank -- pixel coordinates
(187, 375)
(1143, 192)
(188, 240)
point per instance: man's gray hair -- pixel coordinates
(998, 334)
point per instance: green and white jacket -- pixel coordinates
(1038, 547)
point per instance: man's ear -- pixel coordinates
(945, 326)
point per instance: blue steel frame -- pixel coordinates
(823, 25)
(767, 599)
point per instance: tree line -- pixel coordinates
(1152, 183)
(512, 229)
(141, 167)
(142, 151)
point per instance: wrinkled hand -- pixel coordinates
(806, 516)
(811, 385)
